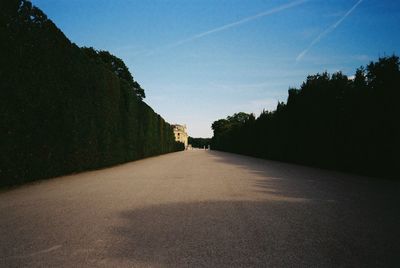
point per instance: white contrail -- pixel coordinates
(327, 31)
(236, 23)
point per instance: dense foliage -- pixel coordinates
(331, 121)
(199, 142)
(65, 109)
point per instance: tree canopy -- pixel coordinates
(331, 121)
(116, 66)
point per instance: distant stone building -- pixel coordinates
(181, 134)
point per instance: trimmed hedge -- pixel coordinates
(61, 112)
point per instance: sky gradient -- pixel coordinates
(202, 60)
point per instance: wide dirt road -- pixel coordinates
(202, 208)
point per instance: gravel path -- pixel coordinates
(202, 209)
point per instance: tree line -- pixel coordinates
(199, 142)
(331, 121)
(64, 108)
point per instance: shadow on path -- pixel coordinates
(251, 234)
(297, 181)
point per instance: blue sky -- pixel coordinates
(202, 60)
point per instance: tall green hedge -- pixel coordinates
(62, 112)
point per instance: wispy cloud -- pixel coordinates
(362, 57)
(272, 87)
(328, 30)
(234, 24)
(257, 106)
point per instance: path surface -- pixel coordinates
(201, 208)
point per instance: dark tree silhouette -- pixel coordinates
(331, 121)
(199, 142)
(115, 65)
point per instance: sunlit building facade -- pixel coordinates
(181, 134)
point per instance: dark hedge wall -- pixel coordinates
(61, 112)
(331, 121)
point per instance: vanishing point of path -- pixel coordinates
(202, 209)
